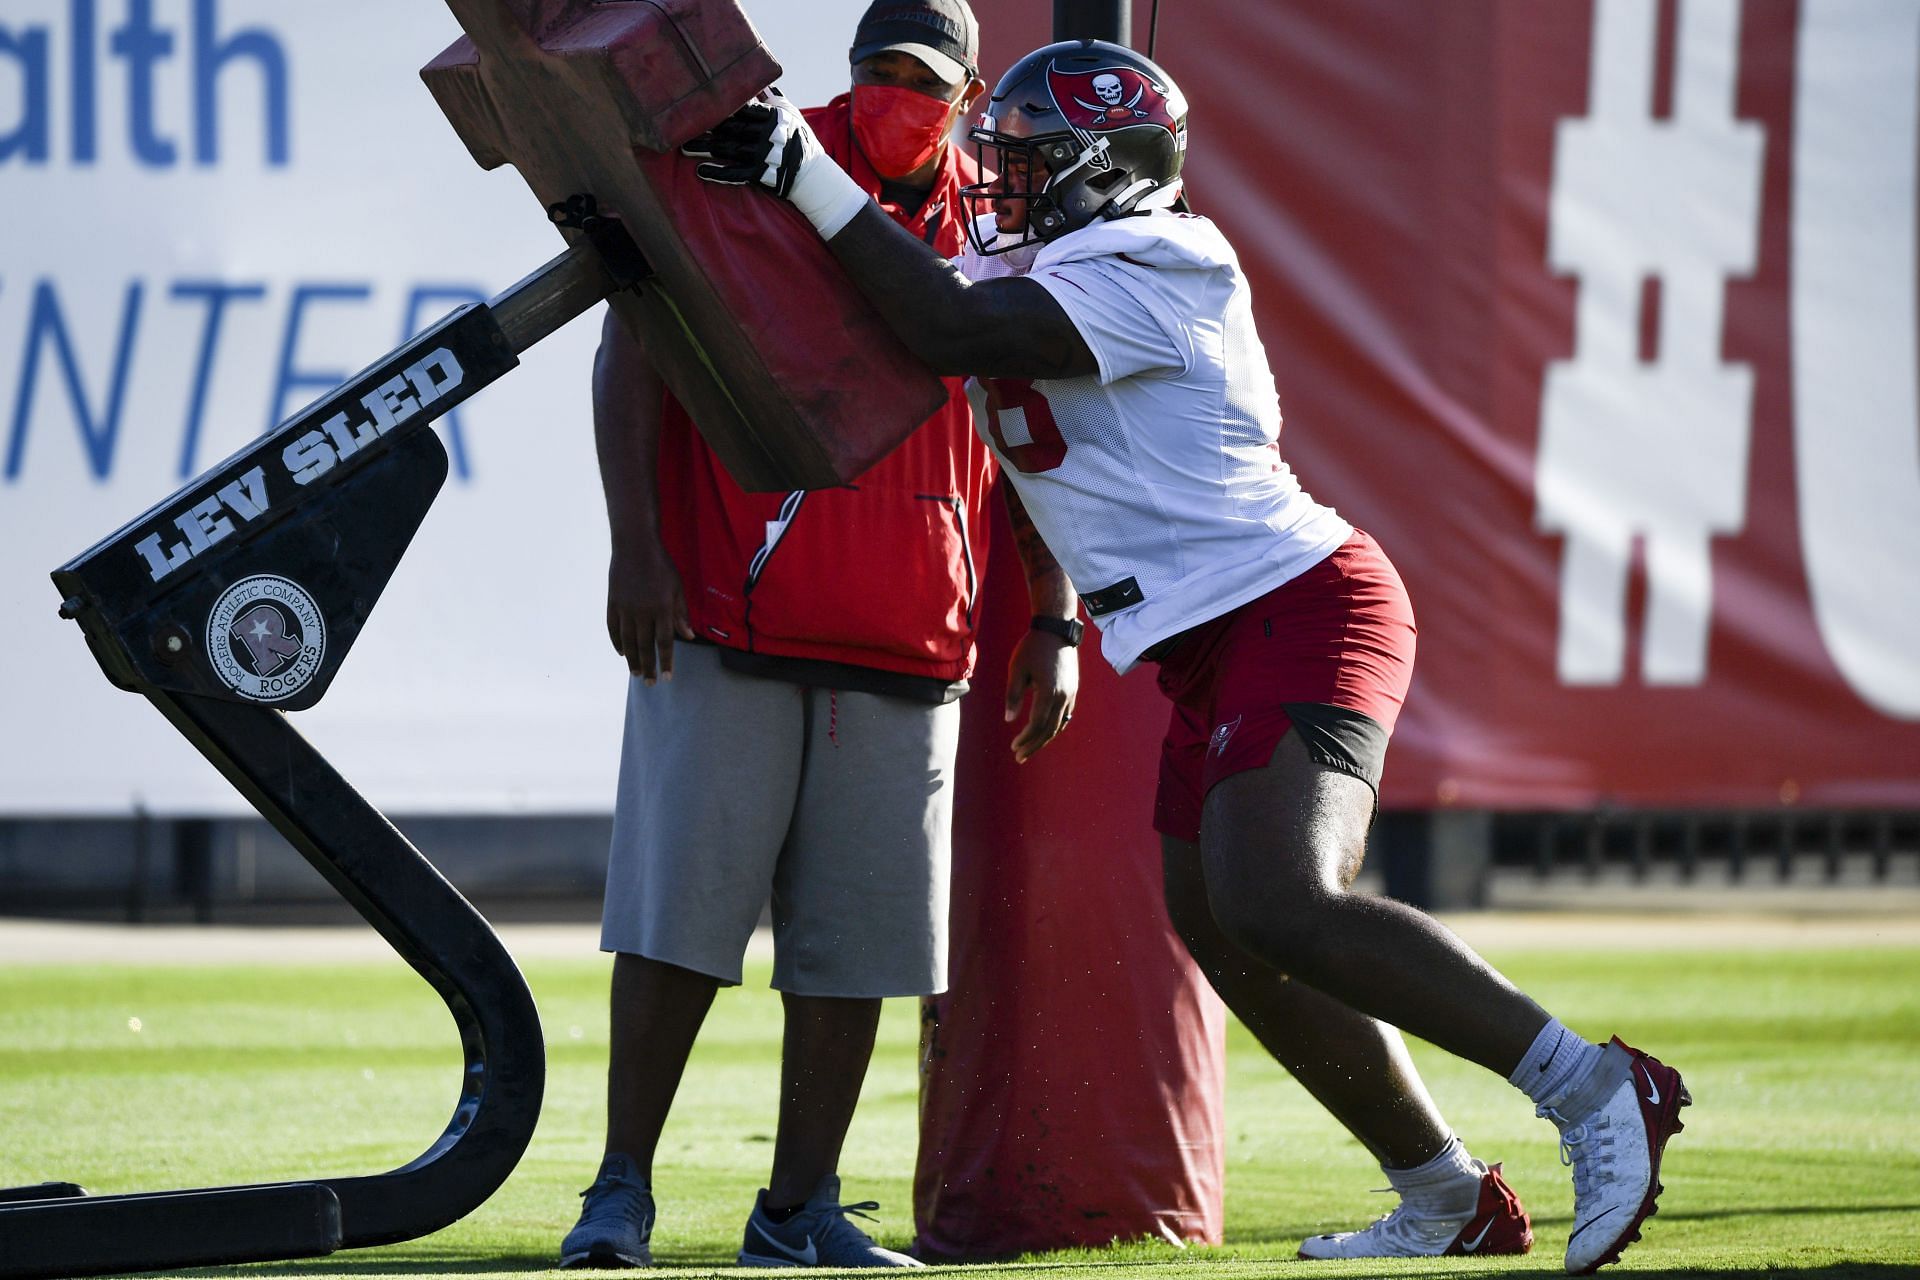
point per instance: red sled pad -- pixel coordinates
(1073, 1075)
(792, 378)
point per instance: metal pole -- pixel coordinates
(1093, 20)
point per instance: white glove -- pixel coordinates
(769, 143)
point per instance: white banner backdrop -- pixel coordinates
(210, 212)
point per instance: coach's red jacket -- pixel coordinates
(880, 574)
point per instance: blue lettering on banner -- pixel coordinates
(28, 51)
(148, 46)
(48, 327)
(144, 46)
(216, 295)
(80, 64)
(210, 54)
(98, 406)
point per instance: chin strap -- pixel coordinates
(1165, 197)
(1142, 196)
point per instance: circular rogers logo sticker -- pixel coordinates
(266, 638)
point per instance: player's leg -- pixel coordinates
(1302, 689)
(1360, 1071)
(1275, 743)
(1280, 846)
(1276, 845)
(860, 910)
(701, 811)
(1356, 1068)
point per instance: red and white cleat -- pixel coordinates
(1499, 1225)
(1612, 1131)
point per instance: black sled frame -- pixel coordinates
(296, 536)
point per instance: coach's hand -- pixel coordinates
(646, 609)
(768, 143)
(1047, 668)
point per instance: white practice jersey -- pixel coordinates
(1158, 482)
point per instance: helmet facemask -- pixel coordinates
(1038, 214)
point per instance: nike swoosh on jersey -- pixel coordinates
(806, 1257)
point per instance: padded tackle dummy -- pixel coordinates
(1073, 1075)
(794, 386)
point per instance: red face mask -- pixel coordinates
(898, 129)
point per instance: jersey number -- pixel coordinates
(1022, 424)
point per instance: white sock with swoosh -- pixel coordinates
(1557, 1062)
(1447, 1186)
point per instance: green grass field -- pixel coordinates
(1801, 1155)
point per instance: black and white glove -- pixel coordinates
(769, 144)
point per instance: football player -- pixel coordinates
(1110, 336)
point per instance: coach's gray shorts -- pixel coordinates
(838, 804)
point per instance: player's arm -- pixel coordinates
(1005, 328)
(1043, 664)
(1008, 328)
(646, 607)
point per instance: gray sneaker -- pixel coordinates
(817, 1236)
(615, 1222)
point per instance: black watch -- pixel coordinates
(1068, 629)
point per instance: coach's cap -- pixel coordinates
(941, 33)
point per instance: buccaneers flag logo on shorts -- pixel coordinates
(1108, 99)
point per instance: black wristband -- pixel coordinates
(1068, 629)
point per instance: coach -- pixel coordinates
(799, 741)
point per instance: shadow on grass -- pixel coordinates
(1206, 1261)
(1283, 1234)
(1781, 1211)
(363, 1264)
(1222, 1260)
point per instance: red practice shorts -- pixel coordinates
(1331, 651)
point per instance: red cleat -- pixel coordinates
(1499, 1225)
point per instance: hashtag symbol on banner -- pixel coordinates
(1644, 433)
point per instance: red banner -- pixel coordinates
(1601, 317)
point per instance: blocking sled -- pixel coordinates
(235, 600)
